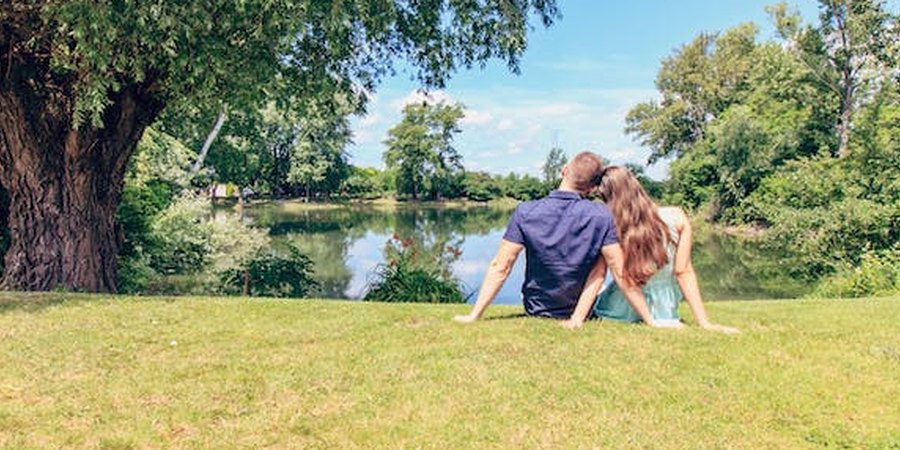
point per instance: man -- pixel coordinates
(564, 236)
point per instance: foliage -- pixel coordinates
(654, 188)
(481, 186)
(367, 183)
(160, 157)
(878, 273)
(156, 174)
(852, 54)
(817, 210)
(421, 149)
(413, 274)
(189, 238)
(271, 274)
(97, 73)
(181, 244)
(524, 188)
(552, 167)
(232, 241)
(295, 46)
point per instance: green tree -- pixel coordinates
(83, 79)
(481, 186)
(851, 53)
(697, 84)
(552, 168)
(421, 148)
(524, 188)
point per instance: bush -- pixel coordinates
(412, 275)
(135, 273)
(480, 187)
(818, 215)
(877, 274)
(140, 205)
(180, 241)
(232, 242)
(271, 274)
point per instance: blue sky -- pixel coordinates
(579, 78)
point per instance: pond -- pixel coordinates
(346, 244)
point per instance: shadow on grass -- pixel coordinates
(35, 301)
(520, 315)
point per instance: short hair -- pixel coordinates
(585, 171)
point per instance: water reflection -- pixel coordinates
(346, 244)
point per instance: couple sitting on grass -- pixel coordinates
(570, 241)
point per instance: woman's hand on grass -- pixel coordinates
(467, 318)
(720, 328)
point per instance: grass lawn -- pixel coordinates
(84, 371)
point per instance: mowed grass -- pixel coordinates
(120, 373)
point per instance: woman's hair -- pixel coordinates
(642, 233)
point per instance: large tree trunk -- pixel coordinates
(64, 185)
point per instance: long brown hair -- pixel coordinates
(642, 233)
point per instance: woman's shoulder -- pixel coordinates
(673, 215)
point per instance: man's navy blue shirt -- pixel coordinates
(562, 234)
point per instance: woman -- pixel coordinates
(656, 243)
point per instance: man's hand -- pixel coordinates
(467, 318)
(572, 324)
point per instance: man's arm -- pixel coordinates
(588, 295)
(496, 275)
(613, 255)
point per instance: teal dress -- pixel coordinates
(661, 291)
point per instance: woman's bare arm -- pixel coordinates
(685, 275)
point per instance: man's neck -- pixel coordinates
(566, 187)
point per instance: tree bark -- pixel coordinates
(64, 185)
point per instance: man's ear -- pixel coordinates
(564, 171)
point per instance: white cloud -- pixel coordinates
(370, 119)
(505, 124)
(476, 117)
(511, 130)
(626, 154)
(489, 155)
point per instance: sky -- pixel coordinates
(579, 78)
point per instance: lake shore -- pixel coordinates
(99, 371)
(300, 204)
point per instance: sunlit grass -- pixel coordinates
(114, 372)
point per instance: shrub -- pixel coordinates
(180, 241)
(414, 275)
(232, 242)
(877, 274)
(480, 187)
(271, 274)
(135, 273)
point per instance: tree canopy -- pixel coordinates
(80, 80)
(421, 149)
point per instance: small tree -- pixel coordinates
(421, 148)
(552, 167)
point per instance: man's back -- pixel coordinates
(562, 235)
